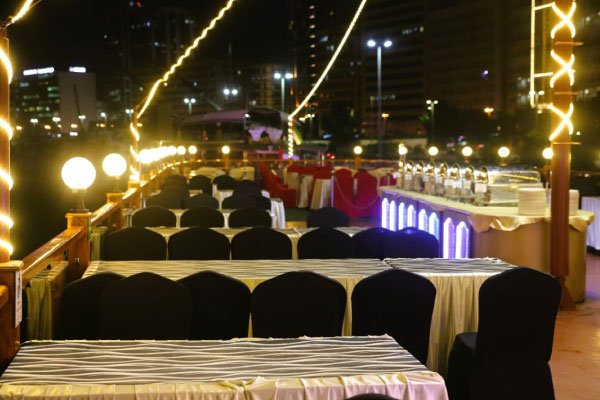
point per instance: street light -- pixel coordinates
(433, 151)
(282, 78)
(432, 104)
(78, 174)
(372, 44)
(467, 152)
(190, 102)
(503, 153)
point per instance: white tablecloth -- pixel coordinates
(456, 308)
(280, 369)
(304, 186)
(593, 231)
(321, 194)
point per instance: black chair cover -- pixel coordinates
(145, 306)
(165, 200)
(221, 306)
(261, 201)
(370, 243)
(237, 201)
(261, 243)
(153, 216)
(327, 217)
(249, 217)
(325, 243)
(176, 190)
(296, 304)
(225, 182)
(201, 199)
(178, 180)
(202, 216)
(198, 244)
(79, 306)
(201, 182)
(134, 243)
(398, 303)
(508, 356)
(411, 243)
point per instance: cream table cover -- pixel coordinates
(280, 369)
(456, 307)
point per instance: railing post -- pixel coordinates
(136, 198)
(80, 256)
(11, 303)
(116, 220)
(5, 136)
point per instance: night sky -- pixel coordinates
(66, 32)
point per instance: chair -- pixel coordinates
(246, 190)
(370, 243)
(201, 182)
(508, 356)
(237, 201)
(174, 189)
(225, 182)
(411, 243)
(202, 216)
(198, 243)
(261, 243)
(153, 216)
(327, 217)
(168, 200)
(134, 243)
(343, 196)
(79, 306)
(248, 183)
(299, 303)
(201, 199)
(220, 306)
(145, 306)
(261, 201)
(325, 243)
(249, 217)
(179, 180)
(396, 302)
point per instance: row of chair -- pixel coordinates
(208, 305)
(201, 216)
(201, 182)
(259, 243)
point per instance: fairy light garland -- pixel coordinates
(316, 86)
(566, 71)
(6, 181)
(182, 58)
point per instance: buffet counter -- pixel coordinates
(466, 231)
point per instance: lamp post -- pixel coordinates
(432, 104)
(226, 150)
(372, 44)
(467, 152)
(233, 92)
(357, 160)
(114, 165)
(78, 174)
(189, 102)
(282, 78)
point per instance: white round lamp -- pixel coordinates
(78, 174)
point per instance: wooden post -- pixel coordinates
(4, 150)
(136, 200)
(562, 101)
(80, 258)
(116, 220)
(357, 162)
(10, 310)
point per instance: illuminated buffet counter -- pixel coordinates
(467, 231)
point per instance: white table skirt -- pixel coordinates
(593, 231)
(280, 369)
(321, 194)
(304, 186)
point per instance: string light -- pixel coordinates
(566, 68)
(5, 220)
(134, 166)
(566, 20)
(332, 61)
(565, 120)
(182, 58)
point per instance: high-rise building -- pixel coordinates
(54, 101)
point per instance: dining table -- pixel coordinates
(238, 369)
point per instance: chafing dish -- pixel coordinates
(429, 179)
(408, 176)
(467, 184)
(452, 183)
(499, 185)
(440, 179)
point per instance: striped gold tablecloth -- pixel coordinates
(305, 368)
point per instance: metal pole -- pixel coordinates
(4, 149)
(282, 94)
(379, 108)
(432, 121)
(562, 100)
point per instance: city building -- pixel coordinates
(54, 101)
